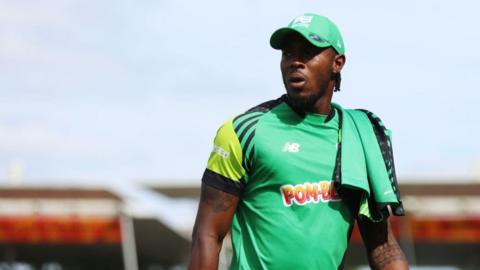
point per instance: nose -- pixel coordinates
(296, 61)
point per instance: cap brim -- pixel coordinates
(277, 40)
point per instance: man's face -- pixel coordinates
(307, 71)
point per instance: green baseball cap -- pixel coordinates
(318, 30)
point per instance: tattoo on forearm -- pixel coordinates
(220, 201)
(386, 254)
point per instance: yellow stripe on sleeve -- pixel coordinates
(226, 156)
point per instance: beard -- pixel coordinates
(306, 104)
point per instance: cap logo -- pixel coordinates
(302, 21)
(316, 38)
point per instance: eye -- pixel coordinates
(286, 53)
(310, 52)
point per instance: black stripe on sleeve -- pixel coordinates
(240, 125)
(246, 162)
(222, 183)
(249, 161)
(247, 128)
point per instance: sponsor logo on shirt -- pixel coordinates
(301, 194)
(219, 150)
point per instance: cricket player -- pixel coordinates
(290, 177)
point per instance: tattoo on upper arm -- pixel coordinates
(220, 201)
(385, 254)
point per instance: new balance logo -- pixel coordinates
(291, 147)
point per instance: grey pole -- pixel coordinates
(129, 248)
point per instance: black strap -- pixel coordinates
(337, 171)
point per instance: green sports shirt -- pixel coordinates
(281, 163)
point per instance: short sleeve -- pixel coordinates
(224, 169)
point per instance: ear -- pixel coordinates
(338, 63)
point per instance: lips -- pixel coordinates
(296, 80)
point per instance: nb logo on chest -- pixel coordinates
(291, 147)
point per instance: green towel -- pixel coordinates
(365, 163)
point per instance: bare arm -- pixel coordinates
(383, 251)
(214, 217)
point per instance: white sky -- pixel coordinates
(120, 90)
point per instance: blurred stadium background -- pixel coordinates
(147, 226)
(135, 89)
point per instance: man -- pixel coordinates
(290, 176)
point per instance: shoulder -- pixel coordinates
(267, 105)
(371, 116)
(358, 112)
(231, 157)
(235, 137)
(366, 117)
(377, 123)
(237, 127)
(241, 124)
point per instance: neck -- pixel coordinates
(323, 104)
